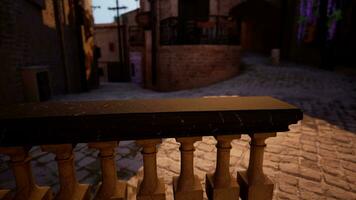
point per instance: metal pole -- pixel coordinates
(153, 5)
(119, 40)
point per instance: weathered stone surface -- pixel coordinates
(332, 171)
(204, 147)
(288, 188)
(288, 179)
(272, 157)
(344, 150)
(289, 168)
(349, 165)
(348, 157)
(333, 163)
(309, 148)
(309, 164)
(236, 152)
(326, 144)
(339, 193)
(309, 156)
(310, 174)
(286, 196)
(351, 178)
(270, 164)
(306, 195)
(289, 159)
(328, 154)
(275, 149)
(336, 181)
(310, 186)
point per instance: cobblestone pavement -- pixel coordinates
(316, 159)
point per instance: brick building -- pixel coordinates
(195, 43)
(191, 44)
(44, 48)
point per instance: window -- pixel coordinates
(111, 47)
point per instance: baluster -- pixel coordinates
(253, 183)
(220, 185)
(111, 187)
(70, 189)
(187, 185)
(26, 187)
(151, 187)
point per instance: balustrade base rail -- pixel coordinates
(57, 126)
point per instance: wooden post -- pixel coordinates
(111, 187)
(254, 184)
(275, 56)
(220, 185)
(26, 187)
(187, 185)
(151, 187)
(70, 189)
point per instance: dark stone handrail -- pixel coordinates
(78, 122)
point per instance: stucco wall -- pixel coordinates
(104, 35)
(189, 66)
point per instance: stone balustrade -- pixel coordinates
(57, 126)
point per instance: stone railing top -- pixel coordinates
(74, 122)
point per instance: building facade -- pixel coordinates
(190, 43)
(106, 39)
(132, 39)
(134, 46)
(42, 49)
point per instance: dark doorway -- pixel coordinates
(114, 71)
(44, 89)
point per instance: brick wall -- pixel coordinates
(10, 84)
(29, 37)
(38, 42)
(189, 66)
